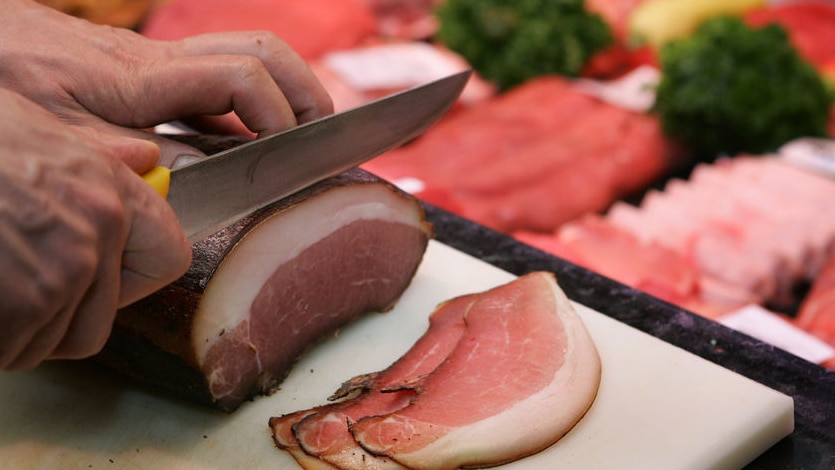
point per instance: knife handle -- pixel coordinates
(159, 178)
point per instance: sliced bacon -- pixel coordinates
(523, 374)
(321, 434)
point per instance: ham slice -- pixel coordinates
(523, 374)
(322, 434)
(264, 289)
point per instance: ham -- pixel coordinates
(322, 434)
(523, 374)
(263, 290)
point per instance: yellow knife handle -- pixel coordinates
(160, 179)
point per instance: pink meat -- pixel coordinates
(405, 19)
(260, 292)
(323, 432)
(310, 27)
(817, 312)
(533, 158)
(522, 375)
(594, 243)
(466, 139)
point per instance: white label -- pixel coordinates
(634, 91)
(400, 65)
(814, 154)
(766, 326)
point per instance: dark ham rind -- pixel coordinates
(196, 337)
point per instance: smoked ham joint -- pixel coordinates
(671, 163)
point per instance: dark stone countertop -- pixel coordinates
(810, 446)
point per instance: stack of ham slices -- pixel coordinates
(498, 375)
(746, 230)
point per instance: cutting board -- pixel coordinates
(658, 407)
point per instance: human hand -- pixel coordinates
(119, 82)
(81, 234)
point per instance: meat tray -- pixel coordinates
(659, 407)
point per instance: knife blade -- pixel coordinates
(210, 193)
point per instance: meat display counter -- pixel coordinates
(810, 446)
(812, 387)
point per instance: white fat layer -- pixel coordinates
(228, 297)
(531, 424)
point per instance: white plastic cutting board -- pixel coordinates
(658, 407)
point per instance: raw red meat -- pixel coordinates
(817, 312)
(532, 158)
(616, 14)
(311, 27)
(523, 374)
(263, 290)
(405, 19)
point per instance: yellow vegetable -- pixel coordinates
(656, 22)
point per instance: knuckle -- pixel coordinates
(249, 68)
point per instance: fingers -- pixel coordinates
(156, 251)
(189, 86)
(226, 124)
(80, 235)
(306, 95)
(138, 149)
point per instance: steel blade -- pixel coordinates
(211, 193)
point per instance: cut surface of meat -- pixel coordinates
(260, 292)
(523, 374)
(323, 432)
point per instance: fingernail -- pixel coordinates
(184, 159)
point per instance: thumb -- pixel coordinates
(140, 155)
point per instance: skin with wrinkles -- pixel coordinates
(119, 81)
(80, 233)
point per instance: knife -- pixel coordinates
(210, 193)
